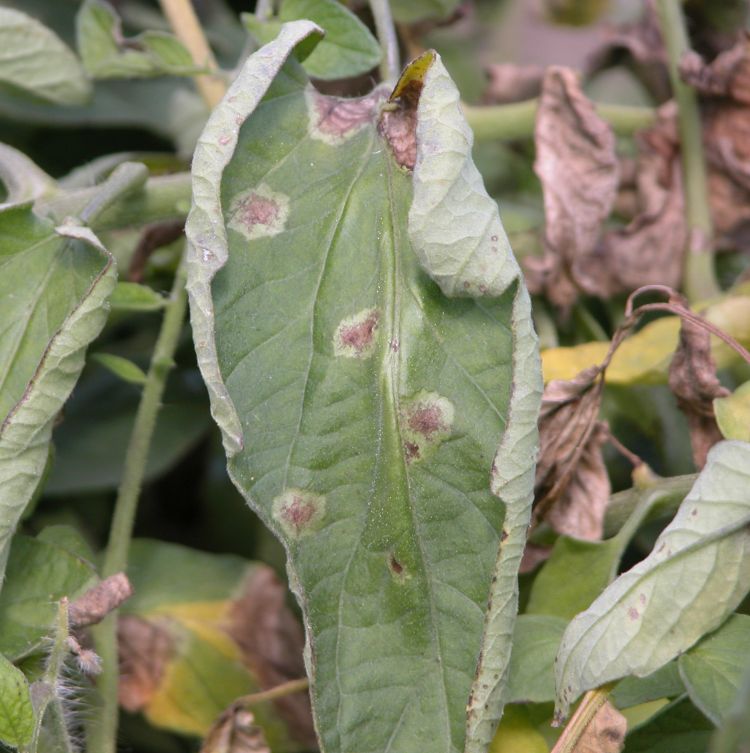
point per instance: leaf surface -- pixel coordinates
(35, 60)
(693, 579)
(361, 410)
(347, 49)
(16, 711)
(677, 727)
(54, 284)
(713, 670)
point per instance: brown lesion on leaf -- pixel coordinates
(334, 120)
(397, 568)
(259, 212)
(355, 337)
(426, 421)
(398, 120)
(298, 512)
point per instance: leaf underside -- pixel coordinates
(361, 408)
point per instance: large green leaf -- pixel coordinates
(361, 409)
(54, 283)
(712, 670)
(694, 578)
(35, 60)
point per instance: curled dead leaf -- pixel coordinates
(572, 486)
(578, 168)
(235, 731)
(94, 605)
(728, 75)
(509, 82)
(693, 380)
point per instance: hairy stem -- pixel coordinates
(103, 730)
(390, 65)
(516, 120)
(699, 275)
(187, 28)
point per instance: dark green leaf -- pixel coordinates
(713, 670)
(664, 683)
(677, 728)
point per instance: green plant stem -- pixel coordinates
(390, 65)
(103, 730)
(516, 120)
(699, 275)
(187, 28)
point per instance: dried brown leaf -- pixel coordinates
(728, 75)
(605, 733)
(693, 380)
(726, 133)
(509, 82)
(145, 649)
(572, 485)
(650, 249)
(578, 168)
(94, 605)
(271, 642)
(235, 731)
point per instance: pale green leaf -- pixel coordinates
(130, 296)
(361, 410)
(35, 60)
(348, 48)
(40, 572)
(664, 683)
(54, 284)
(694, 578)
(712, 671)
(531, 676)
(408, 11)
(16, 711)
(734, 733)
(733, 413)
(22, 179)
(121, 367)
(106, 54)
(454, 224)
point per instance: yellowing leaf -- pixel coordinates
(733, 413)
(516, 734)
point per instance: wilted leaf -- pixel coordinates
(107, 54)
(202, 630)
(712, 671)
(693, 380)
(578, 169)
(572, 484)
(347, 49)
(38, 62)
(16, 711)
(509, 82)
(22, 179)
(40, 573)
(733, 414)
(95, 604)
(693, 579)
(61, 285)
(359, 416)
